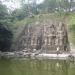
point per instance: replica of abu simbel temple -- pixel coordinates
(45, 36)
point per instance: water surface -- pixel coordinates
(36, 67)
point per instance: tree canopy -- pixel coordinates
(5, 32)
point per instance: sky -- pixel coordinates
(13, 4)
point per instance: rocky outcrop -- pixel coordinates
(46, 36)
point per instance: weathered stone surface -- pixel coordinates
(46, 35)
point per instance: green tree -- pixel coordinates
(5, 32)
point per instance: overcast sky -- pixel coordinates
(15, 3)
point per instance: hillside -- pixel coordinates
(18, 25)
(38, 20)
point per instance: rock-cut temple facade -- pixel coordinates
(45, 36)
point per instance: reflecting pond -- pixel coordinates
(36, 67)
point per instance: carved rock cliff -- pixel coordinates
(44, 35)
